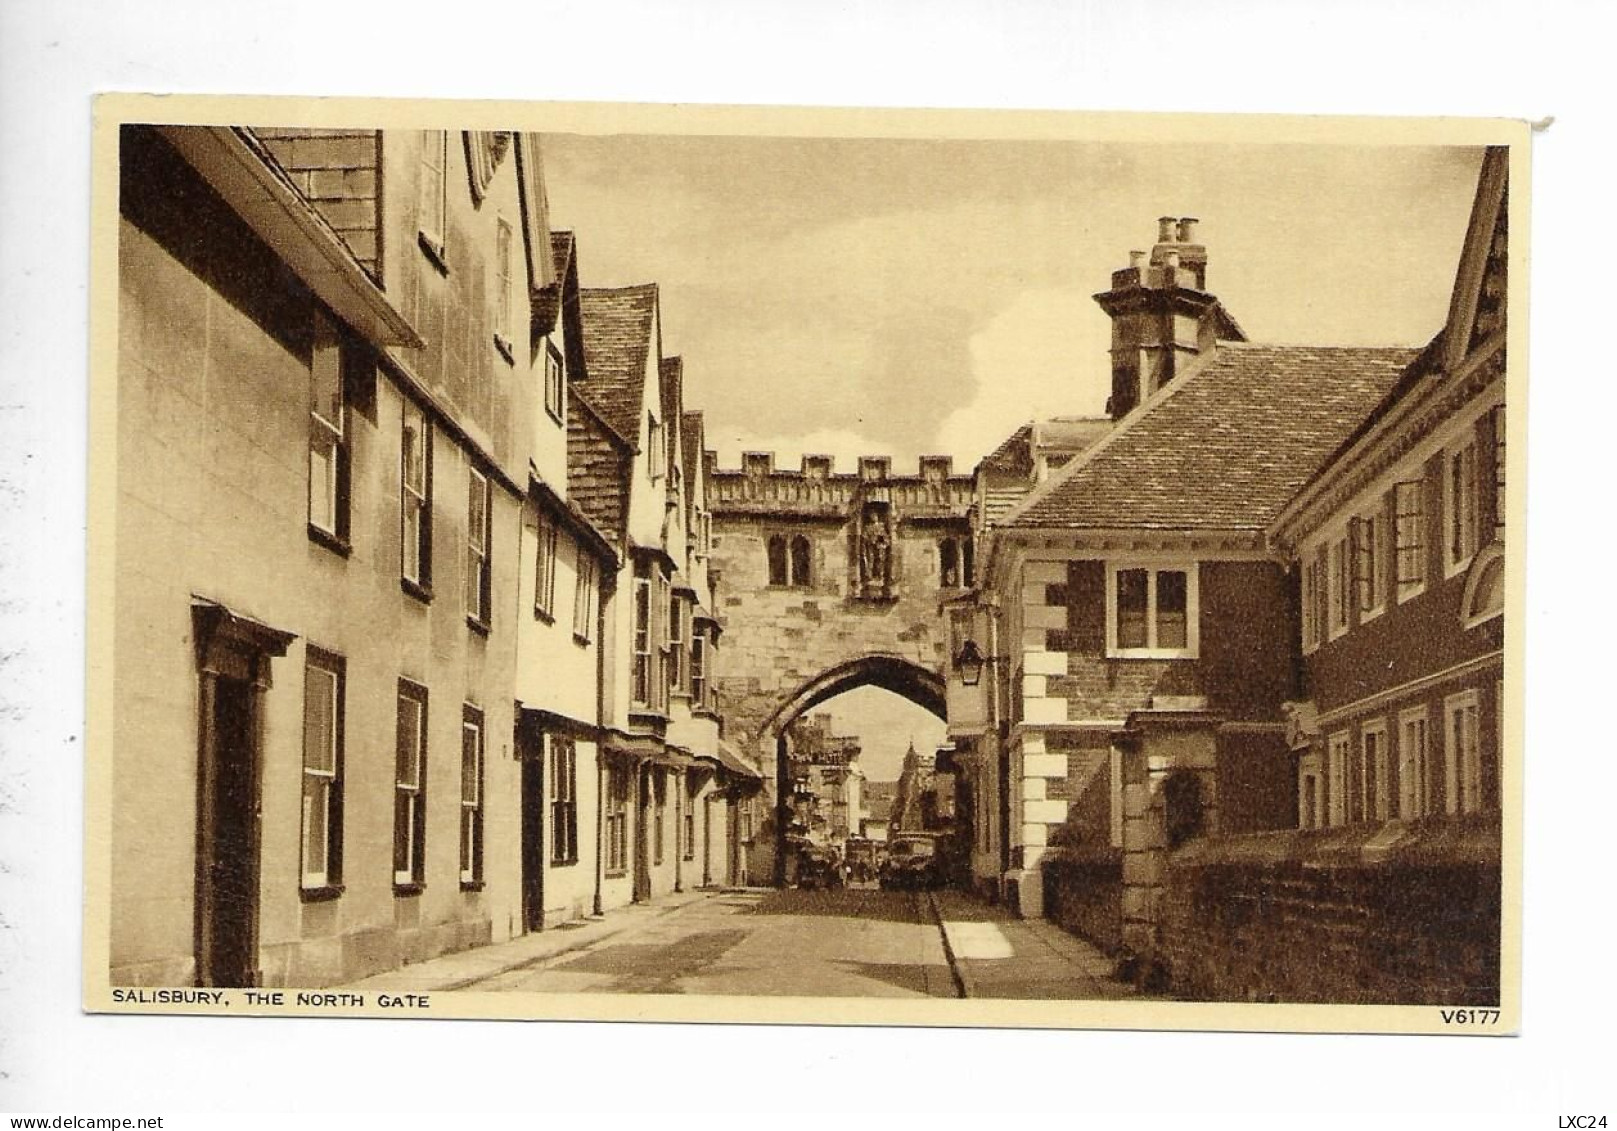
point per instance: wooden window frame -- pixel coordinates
(473, 760)
(504, 240)
(641, 638)
(329, 440)
(1192, 647)
(1462, 507)
(433, 192)
(415, 502)
(410, 798)
(1338, 752)
(1375, 764)
(479, 550)
(327, 783)
(563, 789)
(1414, 764)
(1338, 586)
(678, 645)
(1462, 753)
(1369, 539)
(555, 384)
(544, 569)
(585, 587)
(1409, 538)
(619, 786)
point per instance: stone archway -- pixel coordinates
(825, 582)
(897, 674)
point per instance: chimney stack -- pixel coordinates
(1162, 316)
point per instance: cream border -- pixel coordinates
(111, 110)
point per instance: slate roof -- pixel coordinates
(617, 340)
(1225, 446)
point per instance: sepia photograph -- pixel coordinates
(576, 561)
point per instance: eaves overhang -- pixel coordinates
(252, 184)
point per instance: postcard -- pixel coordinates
(777, 565)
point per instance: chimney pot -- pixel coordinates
(1170, 260)
(1187, 229)
(1136, 259)
(1165, 229)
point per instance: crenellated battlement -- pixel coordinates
(817, 489)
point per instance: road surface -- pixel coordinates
(854, 942)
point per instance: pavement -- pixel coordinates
(465, 968)
(996, 955)
(853, 942)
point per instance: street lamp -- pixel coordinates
(969, 663)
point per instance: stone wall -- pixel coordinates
(1394, 914)
(776, 638)
(1083, 893)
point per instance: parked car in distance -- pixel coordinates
(912, 862)
(819, 868)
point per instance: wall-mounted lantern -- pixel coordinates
(969, 663)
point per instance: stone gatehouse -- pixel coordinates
(829, 581)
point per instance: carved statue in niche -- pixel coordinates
(875, 553)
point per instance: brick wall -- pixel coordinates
(1246, 668)
(1380, 914)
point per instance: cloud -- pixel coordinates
(1043, 355)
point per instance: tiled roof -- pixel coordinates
(693, 437)
(597, 467)
(1225, 446)
(561, 252)
(617, 341)
(1014, 455)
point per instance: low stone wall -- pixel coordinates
(1393, 914)
(1083, 893)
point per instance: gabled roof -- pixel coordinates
(671, 382)
(617, 340)
(1015, 455)
(1225, 446)
(693, 438)
(1057, 435)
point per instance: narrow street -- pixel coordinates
(844, 943)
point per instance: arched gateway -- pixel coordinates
(825, 583)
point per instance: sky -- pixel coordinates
(904, 297)
(909, 297)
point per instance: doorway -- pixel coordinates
(642, 839)
(533, 833)
(228, 865)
